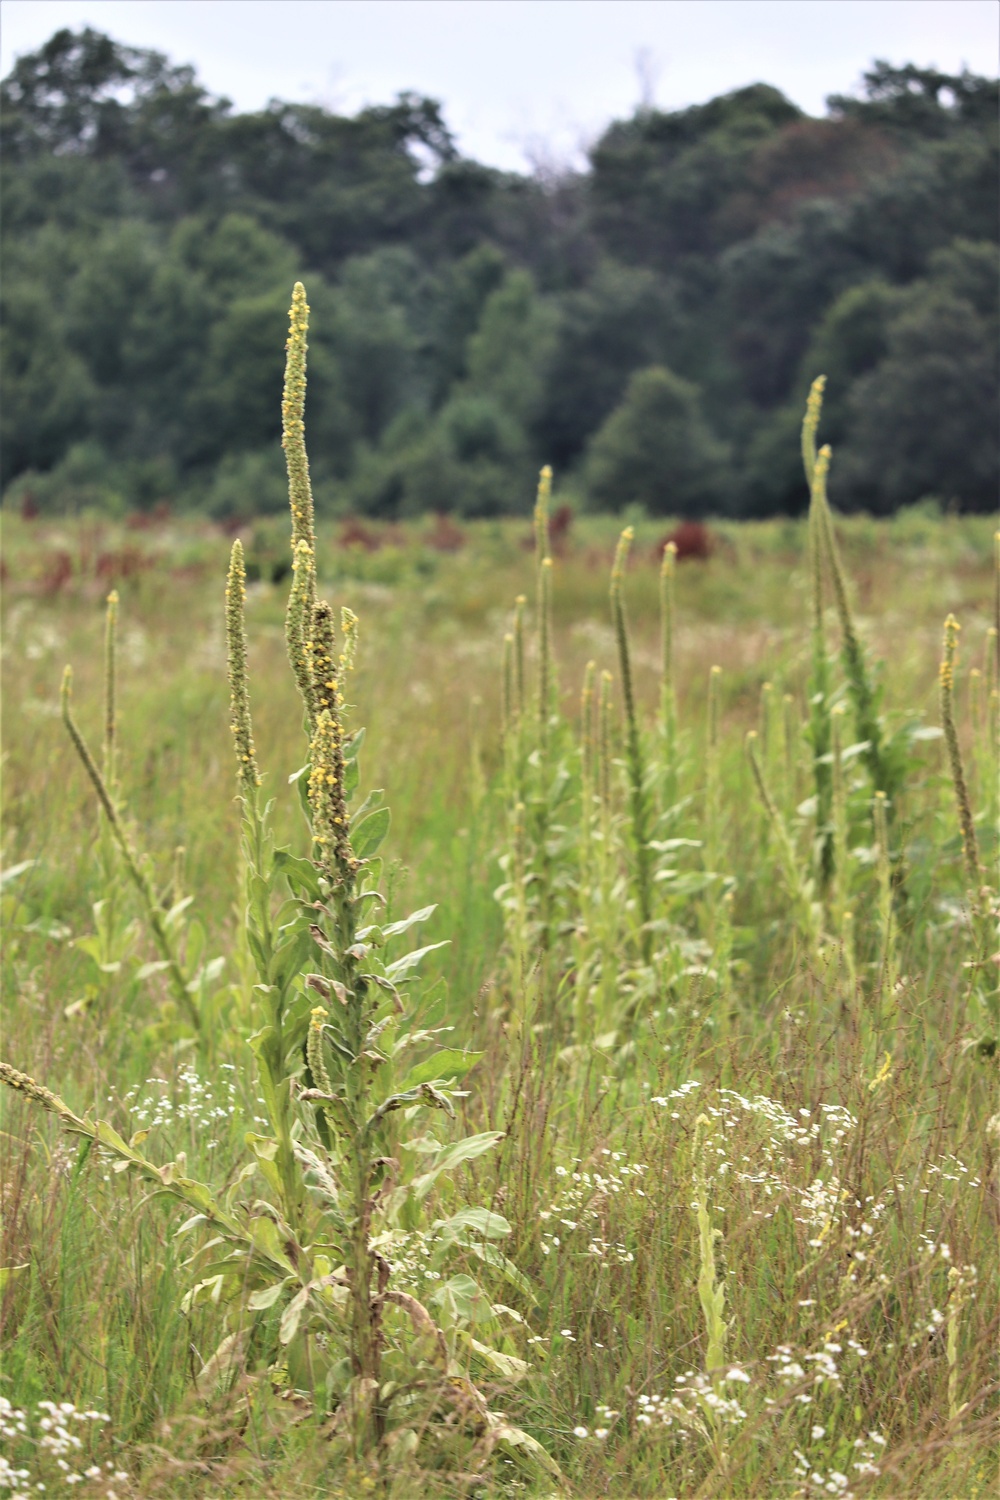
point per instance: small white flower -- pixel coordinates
(817, 1433)
(580, 1432)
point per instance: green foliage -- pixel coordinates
(823, 1085)
(655, 450)
(475, 324)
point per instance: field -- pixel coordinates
(738, 1220)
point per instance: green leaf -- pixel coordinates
(461, 1299)
(292, 1316)
(13, 871)
(395, 928)
(524, 1445)
(404, 966)
(175, 913)
(289, 959)
(8, 1273)
(353, 745)
(108, 1136)
(366, 838)
(507, 1365)
(491, 1256)
(266, 1297)
(449, 1063)
(373, 800)
(56, 932)
(149, 969)
(301, 874)
(453, 1155)
(481, 1220)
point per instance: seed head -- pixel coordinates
(239, 682)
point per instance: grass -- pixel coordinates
(839, 1143)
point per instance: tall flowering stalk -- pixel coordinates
(302, 598)
(668, 691)
(111, 691)
(639, 804)
(816, 466)
(543, 561)
(970, 844)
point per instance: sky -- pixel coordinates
(526, 83)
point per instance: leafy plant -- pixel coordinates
(307, 1269)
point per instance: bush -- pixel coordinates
(656, 450)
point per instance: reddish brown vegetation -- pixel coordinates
(692, 539)
(444, 535)
(354, 533)
(146, 520)
(560, 524)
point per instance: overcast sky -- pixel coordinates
(525, 81)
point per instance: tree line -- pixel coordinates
(649, 326)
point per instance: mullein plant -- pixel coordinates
(640, 807)
(816, 466)
(885, 755)
(668, 691)
(539, 855)
(299, 1247)
(981, 899)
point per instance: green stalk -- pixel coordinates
(791, 735)
(794, 881)
(712, 852)
(888, 966)
(543, 561)
(819, 680)
(111, 692)
(604, 866)
(861, 689)
(970, 845)
(154, 914)
(634, 760)
(838, 892)
(588, 766)
(668, 692)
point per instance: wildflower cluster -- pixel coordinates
(757, 1142)
(57, 1433)
(194, 1101)
(582, 1205)
(833, 1481)
(694, 1399)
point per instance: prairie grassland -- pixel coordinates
(750, 1164)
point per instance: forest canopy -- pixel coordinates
(649, 325)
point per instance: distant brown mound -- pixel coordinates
(692, 539)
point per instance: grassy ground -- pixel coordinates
(843, 1147)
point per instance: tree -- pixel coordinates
(623, 320)
(655, 450)
(924, 420)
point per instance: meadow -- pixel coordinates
(691, 1188)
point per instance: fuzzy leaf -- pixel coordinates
(449, 1063)
(507, 1365)
(292, 1316)
(394, 929)
(266, 1297)
(404, 966)
(492, 1226)
(366, 838)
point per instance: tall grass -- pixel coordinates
(729, 1223)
